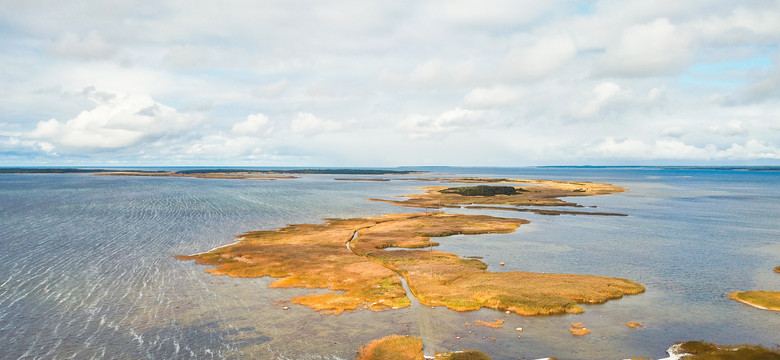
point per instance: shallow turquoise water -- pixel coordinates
(87, 266)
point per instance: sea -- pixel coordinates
(87, 267)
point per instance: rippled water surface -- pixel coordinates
(87, 267)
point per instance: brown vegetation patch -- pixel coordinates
(579, 331)
(544, 211)
(540, 193)
(703, 350)
(393, 347)
(463, 355)
(315, 256)
(498, 323)
(767, 300)
(443, 279)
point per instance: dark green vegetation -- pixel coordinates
(482, 190)
(59, 171)
(463, 355)
(705, 350)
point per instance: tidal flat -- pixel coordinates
(90, 271)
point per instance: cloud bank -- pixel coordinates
(307, 83)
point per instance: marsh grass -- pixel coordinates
(393, 347)
(542, 193)
(705, 350)
(315, 256)
(769, 300)
(498, 323)
(463, 355)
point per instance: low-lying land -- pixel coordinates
(393, 347)
(397, 347)
(363, 273)
(767, 300)
(534, 193)
(696, 350)
(203, 175)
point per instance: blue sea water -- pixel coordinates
(87, 267)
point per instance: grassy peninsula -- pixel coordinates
(349, 257)
(767, 300)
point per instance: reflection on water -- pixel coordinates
(87, 267)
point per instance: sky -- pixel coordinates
(389, 83)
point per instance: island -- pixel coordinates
(365, 262)
(523, 192)
(765, 300)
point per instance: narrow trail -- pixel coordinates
(424, 313)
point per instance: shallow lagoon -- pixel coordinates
(88, 268)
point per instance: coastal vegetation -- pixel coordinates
(768, 300)
(397, 347)
(393, 347)
(482, 190)
(363, 273)
(535, 193)
(695, 350)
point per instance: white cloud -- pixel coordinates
(655, 48)
(545, 56)
(307, 123)
(424, 126)
(678, 150)
(603, 95)
(90, 46)
(493, 97)
(118, 121)
(674, 132)
(520, 71)
(731, 128)
(255, 124)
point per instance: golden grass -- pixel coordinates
(704, 350)
(393, 347)
(442, 279)
(579, 331)
(498, 323)
(541, 193)
(315, 256)
(768, 300)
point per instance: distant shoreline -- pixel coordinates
(224, 171)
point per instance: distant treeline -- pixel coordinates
(299, 171)
(208, 171)
(482, 190)
(49, 170)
